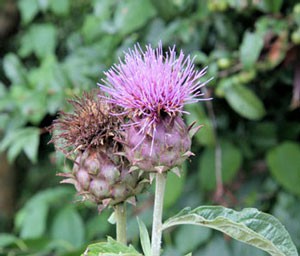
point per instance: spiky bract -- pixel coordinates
(91, 135)
(97, 178)
(167, 149)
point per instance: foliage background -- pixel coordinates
(52, 50)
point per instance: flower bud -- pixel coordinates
(165, 148)
(90, 134)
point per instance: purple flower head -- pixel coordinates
(151, 85)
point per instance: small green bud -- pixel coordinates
(246, 77)
(218, 6)
(295, 37)
(296, 9)
(224, 63)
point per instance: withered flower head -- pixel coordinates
(91, 124)
(91, 135)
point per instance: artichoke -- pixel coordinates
(91, 138)
(166, 147)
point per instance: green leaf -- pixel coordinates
(167, 8)
(34, 108)
(197, 236)
(287, 209)
(59, 7)
(249, 226)
(3, 90)
(110, 248)
(68, 226)
(244, 101)
(7, 239)
(92, 226)
(284, 164)
(103, 8)
(131, 15)
(31, 147)
(31, 219)
(50, 82)
(91, 29)
(112, 219)
(144, 238)
(14, 69)
(272, 6)
(26, 139)
(30, 103)
(171, 195)
(29, 9)
(264, 135)
(215, 246)
(250, 49)
(231, 159)
(40, 39)
(238, 248)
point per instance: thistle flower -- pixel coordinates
(90, 134)
(153, 88)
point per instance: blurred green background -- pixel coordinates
(247, 154)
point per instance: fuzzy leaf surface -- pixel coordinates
(249, 226)
(144, 237)
(110, 248)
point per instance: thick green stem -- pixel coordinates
(157, 213)
(120, 215)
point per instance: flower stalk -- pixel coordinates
(157, 213)
(120, 215)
